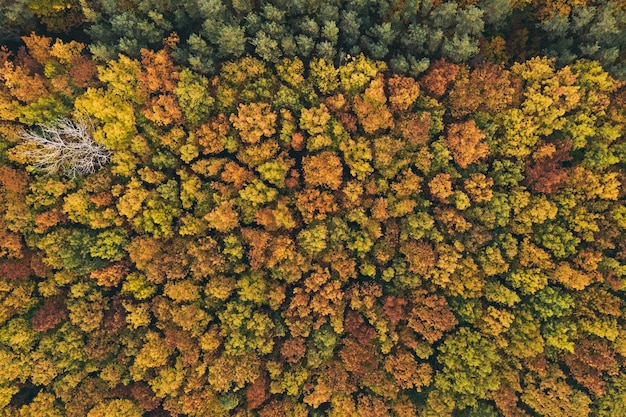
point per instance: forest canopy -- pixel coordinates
(311, 208)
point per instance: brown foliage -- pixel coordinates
(281, 408)
(184, 342)
(394, 309)
(420, 255)
(298, 315)
(144, 396)
(506, 401)
(368, 406)
(355, 326)
(258, 392)
(590, 363)
(83, 72)
(341, 108)
(13, 269)
(407, 372)
(52, 312)
(415, 128)
(293, 350)
(545, 173)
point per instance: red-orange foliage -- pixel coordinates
(277, 408)
(211, 135)
(506, 401)
(14, 269)
(371, 107)
(439, 78)
(488, 88)
(142, 251)
(324, 169)
(258, 392)
(430, 316)
(356, 327)
(403, 91)
(159, 72)
(407, 372)
(315, 204)
(465, 142)
(358, 359)
(311, 264)
(13, 180)
(163, 110)
(237, 175)
(258, 241)
(48, 219)
(21, 83)
(157, 81)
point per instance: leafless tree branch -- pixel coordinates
(65, 146)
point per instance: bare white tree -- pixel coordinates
(65, 146)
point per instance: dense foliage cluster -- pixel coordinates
(408, 34)
(417, 214)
